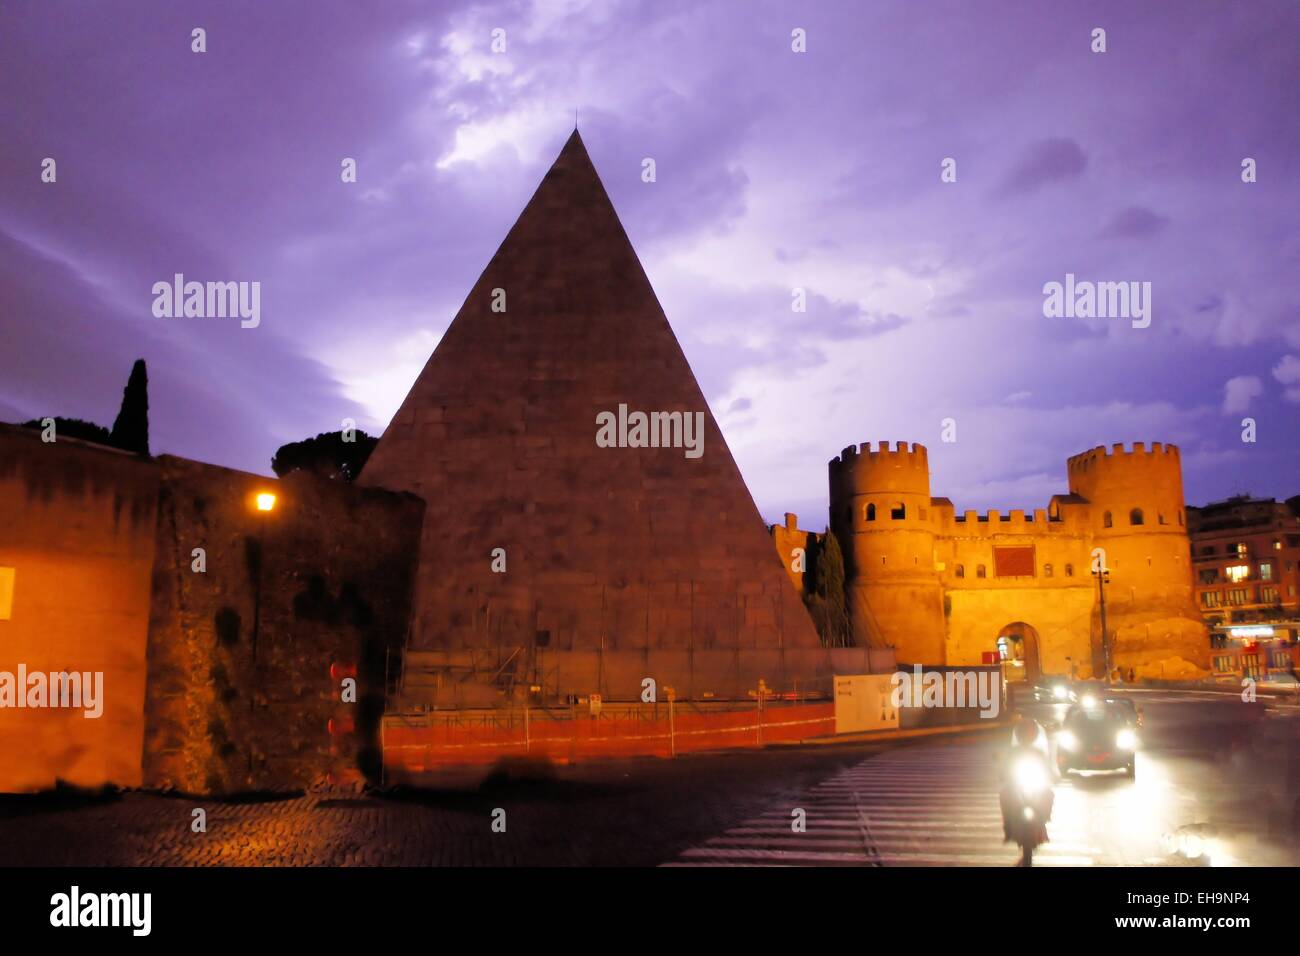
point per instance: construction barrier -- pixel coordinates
(418, 744)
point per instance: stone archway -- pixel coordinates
(1018, 647)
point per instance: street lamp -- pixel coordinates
(265, 501)
(1103, 578)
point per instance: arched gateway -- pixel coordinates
(1018, 650)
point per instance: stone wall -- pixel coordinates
(247, 658)
(77, 533)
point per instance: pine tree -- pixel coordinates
(327, 455)
(131, 428)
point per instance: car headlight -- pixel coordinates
(1126, 739)
(1030, 776)
(1089, 701)
(1067, 741)
(1061, 692)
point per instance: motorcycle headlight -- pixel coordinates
(1030, 777)
(1126, 739)
(1067, 741)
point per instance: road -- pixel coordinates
(1212, 784)
(1217, 783)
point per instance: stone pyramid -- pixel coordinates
(606, 548)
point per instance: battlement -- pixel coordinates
(1118, 452)
(914, 455)
(996, 522)
(872, 469)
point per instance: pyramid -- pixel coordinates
(606, 549)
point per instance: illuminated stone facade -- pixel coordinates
(944, 588)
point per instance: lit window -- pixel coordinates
(1266, 570)
(1238, 572)
(6, 593)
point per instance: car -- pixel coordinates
(1098, 734)
(1132, 710)
(1053, 690)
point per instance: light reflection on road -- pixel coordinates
(1180, 809)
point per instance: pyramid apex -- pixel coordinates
(574, 148)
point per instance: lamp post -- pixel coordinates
(1103, 578)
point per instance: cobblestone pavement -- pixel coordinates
(634, 812)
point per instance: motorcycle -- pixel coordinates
(1027, 799)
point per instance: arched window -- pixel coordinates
(898, 512)
(871, 512)
(1160, 517)
(1069, 570)
(980, 572)
(1106, 520)
(961, 571)
(1047, 570)
(1135, 516)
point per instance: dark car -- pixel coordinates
(1053, 690)
(1098, 735)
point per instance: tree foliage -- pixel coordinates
(73, 428)
(824, 591)
(327, 455)
(131, 427)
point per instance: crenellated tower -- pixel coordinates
(1138, 520)
(882, 516)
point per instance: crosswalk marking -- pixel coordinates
(930, 806)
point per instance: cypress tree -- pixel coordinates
(826, 599)
(131, 428)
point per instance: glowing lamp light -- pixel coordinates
(265, 501)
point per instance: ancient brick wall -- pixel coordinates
(241, 693)
(77, 540)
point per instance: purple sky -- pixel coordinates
(775, 170)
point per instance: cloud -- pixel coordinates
(1134, 222)
(1045, 162)
(1239, 392)
(1287, 372)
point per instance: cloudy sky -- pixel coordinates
(776, 170)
